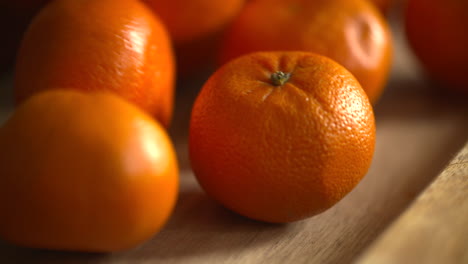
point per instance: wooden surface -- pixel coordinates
(435, 228)
(419, 130)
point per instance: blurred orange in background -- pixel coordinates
(88, 45)
(194, 27)
(437, 31)
(85, 172)
(187, 21)
(352, 32)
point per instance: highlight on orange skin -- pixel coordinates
(351, 32)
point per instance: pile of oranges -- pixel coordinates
(281, 131)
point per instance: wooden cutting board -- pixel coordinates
(389, 218)
(434, 229)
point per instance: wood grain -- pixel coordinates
(435, 228)
(419, 129)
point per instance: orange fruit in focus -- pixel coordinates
(117, 46)
(437, 32)
(85, 172)
(281, 136)
(351, 32)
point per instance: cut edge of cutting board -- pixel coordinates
(434, 228)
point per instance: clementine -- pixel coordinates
(281, 136)
(437, 32)
(89, 45)
(187, 21)
(351, 32)
(84, 172)
(194, 27)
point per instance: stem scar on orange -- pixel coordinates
(88, 45)
(281, 136)
(84, 172)
(351, 32)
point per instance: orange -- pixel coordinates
(194, 27)
(187, 21)
(351, 32)
(88, 45)
(437, 32)
(84, 172)
(281, 136)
